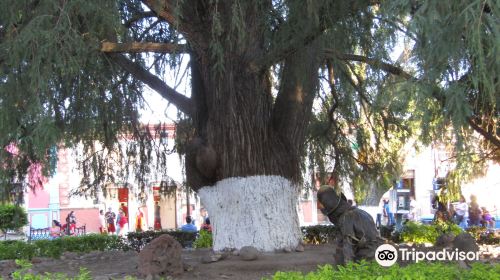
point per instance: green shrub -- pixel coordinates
(318, 234)
(372, 270)
(204, 240)
(445, 227)
(476, 231)
(420, 233)
(483, 236)
(54, 248)
(12, 217)
(137, 240)
(24, 274)
(11, 250)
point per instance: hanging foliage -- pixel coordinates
(272, 82)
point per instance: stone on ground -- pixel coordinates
(249, 253)
(445, 240)
(465, 242)
(212, 257)
(161, 257)
(300, 248)
(6, 267)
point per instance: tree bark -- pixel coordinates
(251, 197)
(244, 159)
(258, 211)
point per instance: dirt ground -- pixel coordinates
(117, 265)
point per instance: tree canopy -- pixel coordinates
(73, 73)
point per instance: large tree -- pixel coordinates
(72, 72)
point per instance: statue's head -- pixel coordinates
(332, 204)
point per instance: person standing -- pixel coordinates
(102, 222)
(474, 212)
(124, 208)
(110, 217)
(70, 223)
(413, 215)
(206, 225)
(462, 212)
(157, 224)
(387, 212)
(139, 220)
(117, 223)
(122, 223)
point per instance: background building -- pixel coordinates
(54, 201)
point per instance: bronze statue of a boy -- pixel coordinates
(357, 236)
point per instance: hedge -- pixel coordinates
(137, 240)
(318, 234)
(55, 248)
(484, 235)
(204, 240)
(372, 270)
(421, 233)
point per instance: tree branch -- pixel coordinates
(291, 43)
(487, 135)
(149, 28)
(370, 61)
(138, 17)
(292, 107)
(182, 102)
(400, 72)
(137, 47)
(278, 54)
(190, 30)
(162, 10)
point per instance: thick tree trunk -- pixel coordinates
(374, 194)
(234, 119)
(245, 159)
(252, 194)
(257, 211)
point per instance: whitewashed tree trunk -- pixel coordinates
(257, 211)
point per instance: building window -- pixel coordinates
(408, 181)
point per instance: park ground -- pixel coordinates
(117, 264)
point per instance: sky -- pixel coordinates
(157, 109)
